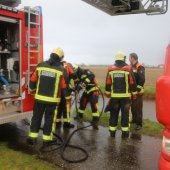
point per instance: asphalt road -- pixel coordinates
(138, 152)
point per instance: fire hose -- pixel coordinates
(62, 145)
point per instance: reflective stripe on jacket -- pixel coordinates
(139, 73)
(48, 82)
(89, 79)
(120, 82)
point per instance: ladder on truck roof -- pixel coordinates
(124, 7)
(35, 11)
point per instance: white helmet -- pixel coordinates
(120, 56)
(59, 52)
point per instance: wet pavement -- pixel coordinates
(138, 152)
(149, 110)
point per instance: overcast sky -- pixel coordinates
(88, 35)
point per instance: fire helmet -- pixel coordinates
(59, 52)
(120, 56)
(75, 67)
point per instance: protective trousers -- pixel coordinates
(63, 111)
(137, 110)
(117, 104)
(48, 110)
(92, 98)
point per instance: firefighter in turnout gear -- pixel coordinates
(88, 81)
(137, 105)
(120, 86)
(64, 107)
(47, 83)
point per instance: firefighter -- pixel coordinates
(47, 82)
(137, 105)
(64, 107)
(120, 83)
(88, 81)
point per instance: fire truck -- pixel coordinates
(21, 49)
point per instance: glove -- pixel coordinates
(107, 95)
(32, 92)
(140, 90)
(71, 90)
(134, 97)
(68, 99)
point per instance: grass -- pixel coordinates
(149, 92)
(15, 160)
(152, 128)
(149, 128)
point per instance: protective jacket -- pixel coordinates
(47, 81)
(139, 73)
(90, 94)
(88, 78)
(69, 71)
(120, 81)
(64, 107)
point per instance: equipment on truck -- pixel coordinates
(124, 7)
(10, 3)
(20, 52)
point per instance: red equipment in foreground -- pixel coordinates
(20, 51)
(163, 111)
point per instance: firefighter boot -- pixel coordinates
(31, 141)
(112, 134)
(49, 143)
(125, 135)
(94, 123)
(79, 117)
(68, 125)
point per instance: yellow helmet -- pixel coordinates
(120, 56)
(75, 67)
(59, 52)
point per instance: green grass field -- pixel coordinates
(15, 160)
(150, 128)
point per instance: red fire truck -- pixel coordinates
(21, 49)
(163, 111)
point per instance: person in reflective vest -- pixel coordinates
(88, 82)
(47, 83)
(137, 105)
(120, 86)
(64, 107)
